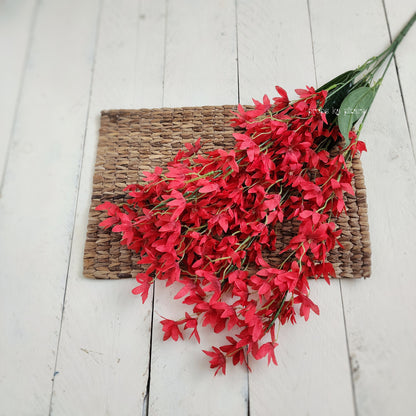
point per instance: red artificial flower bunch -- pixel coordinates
(205, 220)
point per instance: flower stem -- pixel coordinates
(278, 311)
(365, 75)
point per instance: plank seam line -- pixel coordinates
(312, 44)
(29, 44)
(238, 100)
(236, 45)
(248, 391)
(354, 397)
(146, 399)
(97, 32)
(340, 285)
(164, 52)
(400, 83)
(149, 370)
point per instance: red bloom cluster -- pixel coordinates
(204, 221)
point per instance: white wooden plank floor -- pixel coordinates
(72, 346)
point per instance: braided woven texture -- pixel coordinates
(133, 141)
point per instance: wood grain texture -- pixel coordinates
(104, 350)
(100, 356)
(381, 339)
(274, 48)
(16, 21)
(200, 66)
(405, 59)
(310, 378)
(181, 381)
(38, 200)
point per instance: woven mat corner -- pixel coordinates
(133, 141)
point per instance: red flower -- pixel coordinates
(305, 306)
(171, 330)
(145, 281)
(205, 220)
(192, 323)
(266, 349)
(218, 359)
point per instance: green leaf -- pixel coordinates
(353, 107)
(340, 79)
(338, 88)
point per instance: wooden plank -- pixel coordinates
(16, 19)
(382, 338)
(312, 376)
(200, 70)
(201, 66)
(405, 59)
(104, 350)
(275, 48)
(38, 200)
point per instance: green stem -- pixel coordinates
(387, 55)
(403, 33)
(342, 85)
(278, 311)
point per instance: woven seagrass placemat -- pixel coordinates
(133, 141)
